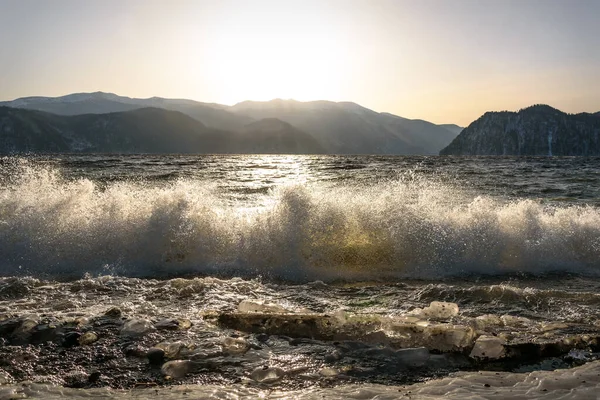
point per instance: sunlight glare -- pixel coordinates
(272, 60)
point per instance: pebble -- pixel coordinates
(137, 327)
(114, 312)
(94, 377)
(177, 368)
(267, 374)
(328, 372)
(71, 339)
(155, 356)
(235, 345)
(173, 324)
(87, 338)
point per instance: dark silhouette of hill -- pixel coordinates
(146, 130)
(338, 127)
(536, 130)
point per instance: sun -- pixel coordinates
(267, 60)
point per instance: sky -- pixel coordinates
(445, 61)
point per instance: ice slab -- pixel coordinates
(488, 347)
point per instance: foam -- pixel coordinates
(403, 228)
(579, 383)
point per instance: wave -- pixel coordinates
(408, 227)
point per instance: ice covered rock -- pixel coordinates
(259, 306)
(177, 368)
(488, 347)
(235, 345)
(137, 327)
(267, 375)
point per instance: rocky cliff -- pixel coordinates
(536, 130)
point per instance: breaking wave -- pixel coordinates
(403, 228)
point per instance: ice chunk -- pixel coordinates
(446, 337)
(488, 347)
(485, 322)
(137, 327)
(440, 337)
(259, 306)
(267, 375)
(440, 310)
(177, 368)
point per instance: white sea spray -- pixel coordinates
(407, 227)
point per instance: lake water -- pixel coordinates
(362, 244)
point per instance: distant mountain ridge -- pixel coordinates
(212, 115)
(350, 128)
(145, 130)
(535, 130)
(339, 128)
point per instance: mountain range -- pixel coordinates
(535, 130)
(144, 130)
(106, 122)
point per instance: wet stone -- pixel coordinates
(328, 372)
(171, 349)
(177, 369)
(22, 334)
(71, 339)
(267, 374)
(137, 327)
(134, 350)
(94, 377)
(9, 325)
(155, 356)
(262, 337)
(417, 357)
(173, 324)
(87, 338)
(114, 312)
(235, 345)
(44, 333)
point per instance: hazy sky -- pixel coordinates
(439, 60)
